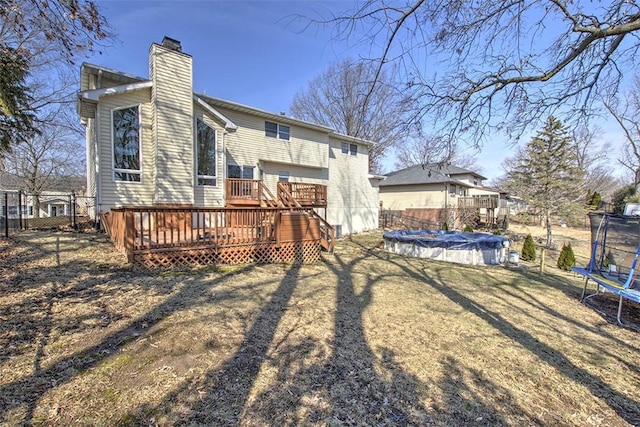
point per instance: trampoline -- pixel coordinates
(450, 246)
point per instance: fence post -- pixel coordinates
(74, 220)
(6, 215)
(20, 210)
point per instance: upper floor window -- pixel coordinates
(126, 144)
(276, 130)
(349, 149)
(205, 153)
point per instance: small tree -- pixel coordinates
(567, 259)
(528, 249)
(445, 226)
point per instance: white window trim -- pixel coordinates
(277, 131)
(195, 126)
(113, 166)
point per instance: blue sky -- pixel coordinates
(252, 53)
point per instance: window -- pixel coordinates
(349, 148)
(452, 190)
(239, 172)
(283, 176)
(275, 130)
(206, 153)
(126, 144)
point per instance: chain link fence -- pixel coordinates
(22, 211)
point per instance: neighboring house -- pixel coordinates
(154, 142)
(440, 193)
(56, 200)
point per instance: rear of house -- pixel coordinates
(153, 142)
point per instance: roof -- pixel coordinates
(130, 82)
(110, 73)
(428, 174)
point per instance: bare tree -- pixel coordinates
(592, 156)
(344, 97)
(39, 41)
(428, 149)
(625, 109)
(474, 67)
(46, 160)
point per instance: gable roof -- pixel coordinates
(109, 73)
(428, 174)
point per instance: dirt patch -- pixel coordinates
(364, 338)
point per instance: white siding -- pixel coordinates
(119, 193)
(171, 73)
(306, 147)
(297, 174)
(352, 199)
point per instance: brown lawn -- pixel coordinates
(364, 338)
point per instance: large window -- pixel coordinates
(240, 172)
(126, 144)
(206, 153)
(275, 130)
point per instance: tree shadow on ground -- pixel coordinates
(627, 408)
(26, 390)
(343, 387)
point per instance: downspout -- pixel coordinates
(96, 154)
(223, 172)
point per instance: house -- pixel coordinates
(436, 193)
(154, 142)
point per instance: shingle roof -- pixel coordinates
(427, 174)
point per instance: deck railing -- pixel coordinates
(489, 202)
(307, 194)
(161, 228)
(254, 192)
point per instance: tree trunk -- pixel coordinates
(549, 241)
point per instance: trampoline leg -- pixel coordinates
(584, 290)
(620, 311)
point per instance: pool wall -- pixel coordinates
(449, 246)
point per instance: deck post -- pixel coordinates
(130, 234)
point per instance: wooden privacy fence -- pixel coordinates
(167, 236)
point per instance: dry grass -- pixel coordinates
(365, 338)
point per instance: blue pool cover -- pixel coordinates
(448, 239)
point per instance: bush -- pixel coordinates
(497, 232)
(445, 226)
(528, 249)
(567, 259)
(468, 228)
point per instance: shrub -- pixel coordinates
(468, 228)
(528, 249)
(497, 232)
(445, 226)
(567, 259)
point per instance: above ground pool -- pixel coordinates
(452, 246)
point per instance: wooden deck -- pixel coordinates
(254, 193)
(167, 236)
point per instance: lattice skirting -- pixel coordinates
(265, 253)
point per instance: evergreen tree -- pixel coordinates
(546, 173)
(594, 200)
(567, 258)
(528, 249)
